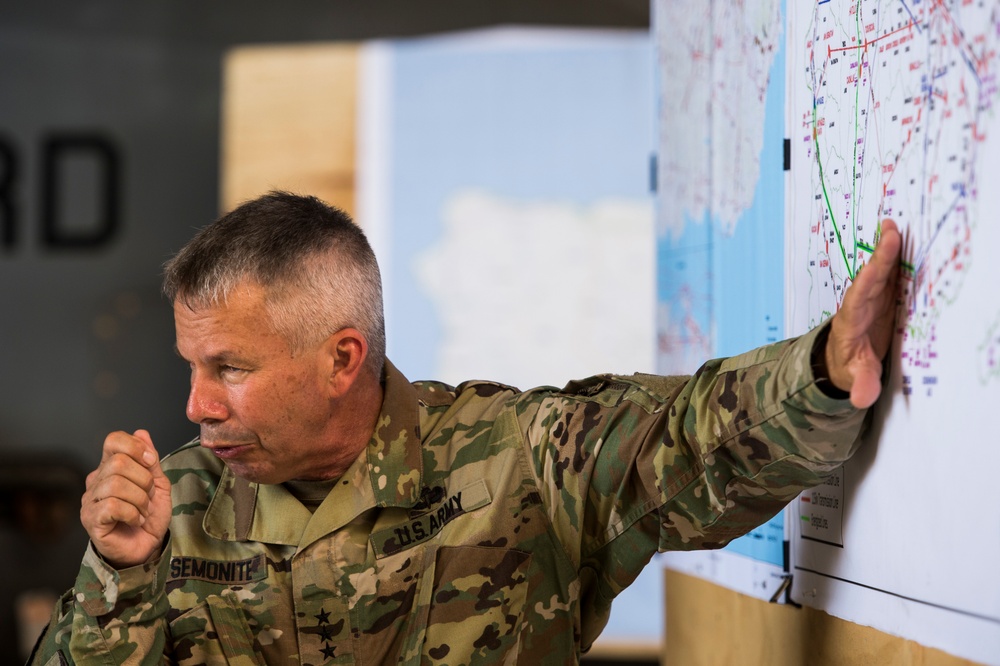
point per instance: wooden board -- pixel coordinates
(289, 122)
(709, 625)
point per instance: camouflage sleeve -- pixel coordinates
(756, 431)
(631, 465)
(109, 617)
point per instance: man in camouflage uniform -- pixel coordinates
(334, 513)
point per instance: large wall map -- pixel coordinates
(720, 214)
(893, 114)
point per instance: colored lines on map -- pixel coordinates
(888, 35)
(901, 97)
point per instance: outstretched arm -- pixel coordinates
(861, 331)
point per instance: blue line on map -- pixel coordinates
(972, 67)
(927, 84)
(822, 2)
(912, 17)
(918, 262)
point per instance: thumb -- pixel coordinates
(867, 385)
(150, 457)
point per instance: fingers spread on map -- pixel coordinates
(861, 331)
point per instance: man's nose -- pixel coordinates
(206, 401)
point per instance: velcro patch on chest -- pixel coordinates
(218, 571)
(421, 528)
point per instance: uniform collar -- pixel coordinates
(387, 474)
(395, 460)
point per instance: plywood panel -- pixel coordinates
(709, 625)
(289, 122)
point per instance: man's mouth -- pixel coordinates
(227, 451)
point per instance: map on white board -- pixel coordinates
(720, 214)
(893, 114)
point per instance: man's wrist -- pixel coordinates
(821, 374)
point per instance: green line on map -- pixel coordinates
(905, 265)
(826, 196)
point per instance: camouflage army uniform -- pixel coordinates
(482, 525)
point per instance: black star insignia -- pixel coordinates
(326, 633)
(323, 617)
(329, 651)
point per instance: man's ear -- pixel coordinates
(347, 350)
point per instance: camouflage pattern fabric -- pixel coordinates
(483, 525)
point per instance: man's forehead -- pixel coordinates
(239, 329)
(223, 297)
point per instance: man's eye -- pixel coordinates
(231, 369)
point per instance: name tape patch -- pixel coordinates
(216, 571)
(394, 539)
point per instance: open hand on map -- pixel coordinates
(861, 331)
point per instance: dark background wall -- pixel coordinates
(109, 152)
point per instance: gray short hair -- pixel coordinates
(317, 268)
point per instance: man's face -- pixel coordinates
(263, 410)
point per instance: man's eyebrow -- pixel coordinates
(224, 356)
